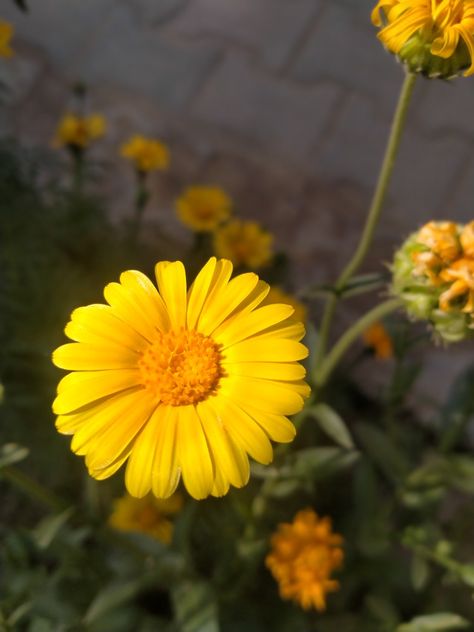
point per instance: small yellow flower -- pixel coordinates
(303, 556)
(203, 208)
(180, 382)
(244, 243)
(6, 34)
(79, 131)
(148, 515)
(460, 275)
(377, 337)
(277, 295)
(146, 154)
(435, 37)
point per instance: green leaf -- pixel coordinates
(459, 408)
(420, 572)
(332, 424)
(317, 463)
(363, 283)
(195, 607)
(434, 623)
(49, 528)
(12, 453)
(382, 452)
(112, 597)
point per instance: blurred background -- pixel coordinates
(285, 104)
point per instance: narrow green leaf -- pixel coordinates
(332, 424)
(420, 572)
(195, 607)
(48, 528)
(317, 463)
(110, 598)
(12, 453)
(382, 451)
(434, 623)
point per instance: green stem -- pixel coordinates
(352, 334)
(374, 211)
(31, 488)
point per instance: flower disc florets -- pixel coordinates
(433, 37)
(433, 272)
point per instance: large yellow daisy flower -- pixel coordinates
(180, 382)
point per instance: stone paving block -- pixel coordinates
(270, 113)
(344, 48)
(447, 106)
(163, 69)
(60, 27)
(269, 28)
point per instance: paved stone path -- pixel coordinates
(285, 103)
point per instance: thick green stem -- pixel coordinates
(31, 488)
(373, 215)
(352, 334)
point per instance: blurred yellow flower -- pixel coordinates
(79, 131)
(244, 243)
(146, 154)
(148, 515)
(277, 295)
(6, 34)
(203, 208)
(180, 382)
(303, 556)
(377, 337)
(425, 33)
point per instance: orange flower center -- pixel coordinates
(182, 367)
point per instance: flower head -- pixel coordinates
(434, 274)
(303, 556)
(6, 34)
(244, 243)
(180, 382)
(377, 337)
(277, 295)
(435, 37)
(146, 154)
(203, 208)
(148, 515)
(79, 131)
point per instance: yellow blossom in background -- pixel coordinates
(277, 295)
(432, 36)
(379, 340)
(6, 34)
(203, 208)
(303, 556)
(146, 154)
(244, 243)
(148, 515)
(180, 382)
(79, 131)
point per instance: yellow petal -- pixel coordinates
(78, 389)
(265, 349)
(226, 301)
(266, 370)
(241, 326)
(265, 395)
(171, 279)
(165, 470)
(277, 427)
(125, 307)
(243, 430)
(230, 460)
(138, 475)
(146, 298)
(79, 356)
(193, 454)
(98, 323)
(199, 290)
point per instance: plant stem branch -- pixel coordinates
(32, 488)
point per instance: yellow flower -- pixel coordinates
(180, 382)
(432, 36)
(146, 154)
(303, 556)
(277, 295)
(441, 246)
(148, 515)
(203, 208)
(79, 131)
(460, 293)
(6, 34)
(244, 243)
(376, 336)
